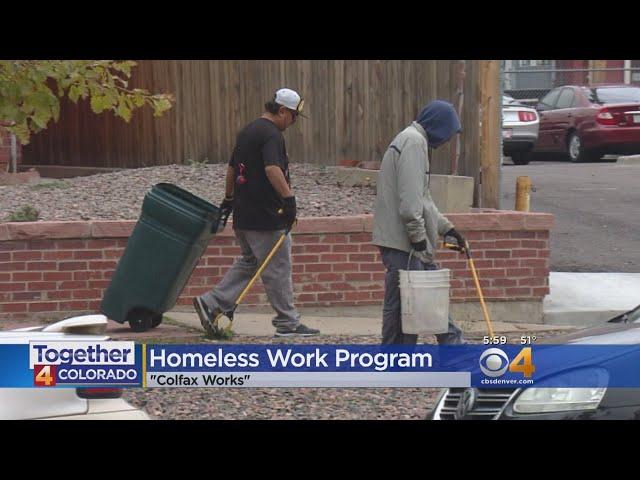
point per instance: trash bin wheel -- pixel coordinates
(156, 320)
(141, 320)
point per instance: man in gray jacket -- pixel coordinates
(406, 218)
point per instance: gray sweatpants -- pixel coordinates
(395, 260)
(276, 277)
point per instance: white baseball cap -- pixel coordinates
(290, 99)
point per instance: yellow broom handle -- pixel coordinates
(484, 307)
(262, 267)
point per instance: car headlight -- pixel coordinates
(560, 398)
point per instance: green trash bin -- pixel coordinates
(169, 238)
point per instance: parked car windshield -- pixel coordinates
(614, 95)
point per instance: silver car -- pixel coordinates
(520, 125)
(64, 403)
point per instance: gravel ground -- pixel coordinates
(119, 195)
(288, 403)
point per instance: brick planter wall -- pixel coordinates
(54, 269)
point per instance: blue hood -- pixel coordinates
(440, 120)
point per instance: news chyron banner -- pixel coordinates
(77, 364)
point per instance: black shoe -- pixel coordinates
(206, 316)
(300, 331)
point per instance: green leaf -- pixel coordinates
(74, 93)
(124, 112)
(97, 103)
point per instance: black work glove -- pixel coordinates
(289, 211)
(462, 243)
(226, 207)
(420, 246)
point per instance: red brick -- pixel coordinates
(377, 295)
(295, 249)
(340, 286)
(220, 241)
(498, 263)
(516, 291)
(313, 248)
(6, 277)
(362, 257)
(42, 266)
(358, 277)
(13, 307)
(523, 234)
(74, 306)
(491, 273)
(111, 228)
(360, 237)
(59, 295)
(56, 276)
(212, 251)
(495, 254)
(100, 284)
(524, 253)
(10, 246)
(346, 267)
(232, 251)
(371, 267)
(306, 239)
(493, 293)
(306, 258)
(72, 285)
(43, 307)
(368, 247)
(70, 244)
(41, 286)
(534, 244)
(316, 267)
(457, 283)
(299, 267)
(332, 277)
(370, 286)
(205, 271)
(26, 255)
(315, 287)
(542, 235)
(357, 296)
(504, 282)
(94, 305)
(330, 296)
(220, 261)
(71, 266)
(27, 296)
(12, 266)
(26, 276)
(507, 243)
(544, 253)
(333, 257)
(113, 254)
(533, 281)
(378, 276)
(534, 262)
(5, 257)
(306, 297)
(12, 287)
(335, 239)
(484, 284)
(41, 244)
(540, 272)
(87, 275)
(87, 254)
(95, 265)
(540, 291)
(58, 255)
(345, 248)
(518, 272)
(100, 244)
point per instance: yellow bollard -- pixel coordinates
(523, 194)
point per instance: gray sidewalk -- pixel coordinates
(576, 299)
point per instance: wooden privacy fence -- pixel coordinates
(355, 109)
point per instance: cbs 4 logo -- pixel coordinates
(44, 375)
(494, 362)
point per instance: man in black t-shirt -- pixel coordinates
(258, 190)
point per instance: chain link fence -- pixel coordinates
(529, 80)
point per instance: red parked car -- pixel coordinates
(586, 123)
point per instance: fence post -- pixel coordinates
(491, 104)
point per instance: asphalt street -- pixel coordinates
(597, 209)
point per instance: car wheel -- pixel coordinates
(576, 151)
(520, 158)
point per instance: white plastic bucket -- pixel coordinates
(424, 296)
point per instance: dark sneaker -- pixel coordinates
(300, 331)
(206, 315)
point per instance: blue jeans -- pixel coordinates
(393, 261)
